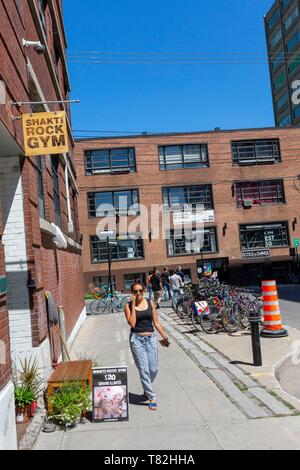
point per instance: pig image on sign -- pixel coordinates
(108, 402)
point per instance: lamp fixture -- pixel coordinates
(225, 227)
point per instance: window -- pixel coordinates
(282, 101)
(278, 59)
(103, 281)
(123, 202)
(260, 193)
(291, 18)
(294, 65)
(273, 20)
(279, 80)
(129, 279)
(174, 157)
(121, 160)
(285, 3)
(256, 152)
(126, 249)
(296, 111)
(264, 236)
(179, 244)
(285, 121)
(42, 4)
(57, 210)
(293, 42)
(41, 195)
(275, 39)
(178, 197)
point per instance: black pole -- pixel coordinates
(109, 266)
(255, 338)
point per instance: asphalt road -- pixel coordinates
(290, 305)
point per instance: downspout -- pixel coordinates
(70, 221)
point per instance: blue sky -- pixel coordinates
(172, 97)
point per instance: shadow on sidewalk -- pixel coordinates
(242, 363)
(138, 400)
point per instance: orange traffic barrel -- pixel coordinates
(272, 318)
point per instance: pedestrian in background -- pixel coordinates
(142, 317)
(180, 273)
(157, 286)
(148, 284)
(166, 284)
(175, 283)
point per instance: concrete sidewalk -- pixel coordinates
(194, 412)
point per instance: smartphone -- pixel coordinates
(165, 343)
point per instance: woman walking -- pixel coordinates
(141, 315)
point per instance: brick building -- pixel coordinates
(35, 193)
(248, 181)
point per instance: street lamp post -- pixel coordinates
(109, 235)
(109, 265)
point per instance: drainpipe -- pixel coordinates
(70, 221)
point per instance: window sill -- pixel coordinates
(46, 227)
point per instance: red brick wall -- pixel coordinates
(221, 174)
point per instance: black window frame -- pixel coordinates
(138, 277)
(56, 189)
(92, 194)
(256, 159)
(95, 240)
(264, 226)
(42, 5)
(164, 166)
(196, 253)
(110, 169)
(260, 184)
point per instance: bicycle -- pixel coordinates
(109, 302)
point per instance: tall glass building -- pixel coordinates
(282, 24)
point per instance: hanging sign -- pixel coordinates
(110, 394)
(45, 133)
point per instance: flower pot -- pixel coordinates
(33, 407)
(23, 414)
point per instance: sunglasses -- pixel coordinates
(136, 291)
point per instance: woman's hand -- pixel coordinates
(165, 342)
(133, 300)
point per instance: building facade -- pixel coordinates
(282, 25)
(247, 180)
(35, 193)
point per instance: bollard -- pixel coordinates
(254, 319)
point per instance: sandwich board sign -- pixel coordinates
(45, 133)
(110, 394)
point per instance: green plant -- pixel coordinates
(69, 403)
(29, 376)
(23, 397)
(89, 357)
(89, 296)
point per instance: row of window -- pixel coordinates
(126, 202)
(56, 193)
(174, 157)
(273, 20)
(204, 241)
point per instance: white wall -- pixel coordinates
(8, 436)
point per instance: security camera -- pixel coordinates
(37, 45)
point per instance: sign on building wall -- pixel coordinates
(256, 254)
(180, 218)
(45, 133)
(110, 394)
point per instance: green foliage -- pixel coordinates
(23, 397)
(89, 296)
(68, 403)
(89, 357)
(29, 376)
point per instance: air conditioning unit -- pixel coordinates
(247, 203)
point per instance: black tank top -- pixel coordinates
(144, 320)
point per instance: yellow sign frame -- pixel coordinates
(45, 133)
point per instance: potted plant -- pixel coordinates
(69, 403)
(29, 377)
(24, 397)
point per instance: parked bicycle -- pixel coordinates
(106, 302)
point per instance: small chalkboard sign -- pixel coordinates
(110, 394)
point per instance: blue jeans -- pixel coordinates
(145, 355)
(167, 292)
(150, 293)
(176, 293)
